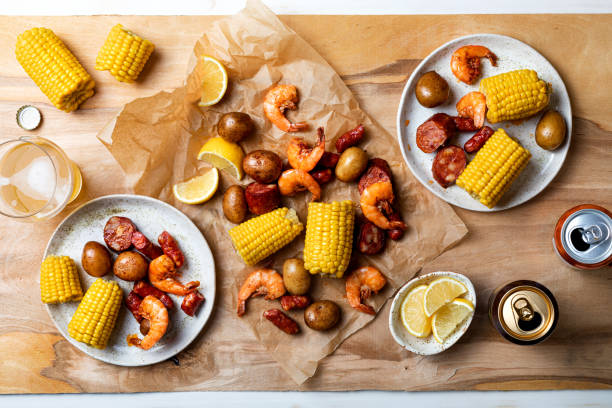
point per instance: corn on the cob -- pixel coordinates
(496, 165)
(95, 318)
(329, 237)
(124, 54)
(260, 237)
(514, 95)
(54, 69)
(59, 280)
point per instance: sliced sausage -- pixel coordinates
(434, 132)
(448, 165)
(378, 171)
(171, 249)
(282, 321)
(322, 176)
(290, 302)
(397, 233)
(132, 301)
(329, 160)
(144, 246)
(262, 198)
(478, 140)
(143, 289)
(118, 233)
(464, 124)
(349, 139)
(371, 239)
(192, 302)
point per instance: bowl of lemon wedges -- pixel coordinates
(431, 312)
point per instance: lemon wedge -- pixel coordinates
(440, 292)
(214, 81)
(223, 155)
(198, 189)
(413, 315)
(445, 321)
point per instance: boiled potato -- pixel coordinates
(234, 204)
(235, 126)
(95, 259)
(550, 131)
(431, 90)
(296, 277)
(322, 315)
(353, 161)
(263, 166)
(130, 266)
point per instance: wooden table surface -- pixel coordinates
(374, 55)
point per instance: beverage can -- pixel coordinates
(523, 312)
(583, 237)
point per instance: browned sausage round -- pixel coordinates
(262, 198)
(322, 176)
(434, 132)
(478, 140)
(282, 321)
(371, 239)
(171, 249)
(397, 233)
(448, 165)
(464, 124)
(349, 139)
(191, 302)
(144, 246)
(290, 302)
(118, 233)
(378, 171)
(329, 160)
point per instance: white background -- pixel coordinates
(471, 399)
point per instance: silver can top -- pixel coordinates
(587, 236)
(28, 117)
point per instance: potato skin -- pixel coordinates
(263, 166)
(322, 315)
(353, 161)
(95, 259)
(130, 266)
(296, 278)
(550, 131)
(431, 90)
(234, 204)
(235, 126)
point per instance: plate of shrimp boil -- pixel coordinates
(128, 280)
(485, 122)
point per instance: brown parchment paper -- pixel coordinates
(156, 141)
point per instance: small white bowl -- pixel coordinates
(427, 346)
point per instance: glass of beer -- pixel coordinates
(37, 179)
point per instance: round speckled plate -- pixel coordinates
(151, 216)
(427, 346)
(512, 54)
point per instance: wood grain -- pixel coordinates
(375, 55)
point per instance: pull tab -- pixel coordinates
(523, 309)
(594, 234)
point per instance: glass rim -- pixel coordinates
(27, 139)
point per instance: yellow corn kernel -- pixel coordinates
(494, 168)
(514, 95)
(260, 237)
(95, 317)
(59, 280)
(53, 68)
(124, 54)
(329, 237)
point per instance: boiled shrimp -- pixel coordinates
(373, 198)
(260, 282)
(359, 286)
(156, 313)
(277, 100)
(465, 62)
(163, 274)
(293, 181)
(303, 157)
(473, 105)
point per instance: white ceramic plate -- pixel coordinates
(151, 216)
(512, 54)
(427, 346)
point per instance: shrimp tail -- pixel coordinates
(365, 309)
(241, 310)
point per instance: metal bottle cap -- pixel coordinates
(586, 236)
(28, 117)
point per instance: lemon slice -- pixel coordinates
(440, 292)
(198, 189)
(214, 81)
(413, 316)
(445, 321)
(223, 155)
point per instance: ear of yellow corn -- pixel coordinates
(329, 237)
(496, 165)
(124, 54)
(260, 237)
(59, 280)
(95, 317)
(514, 95)
(54, 69)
